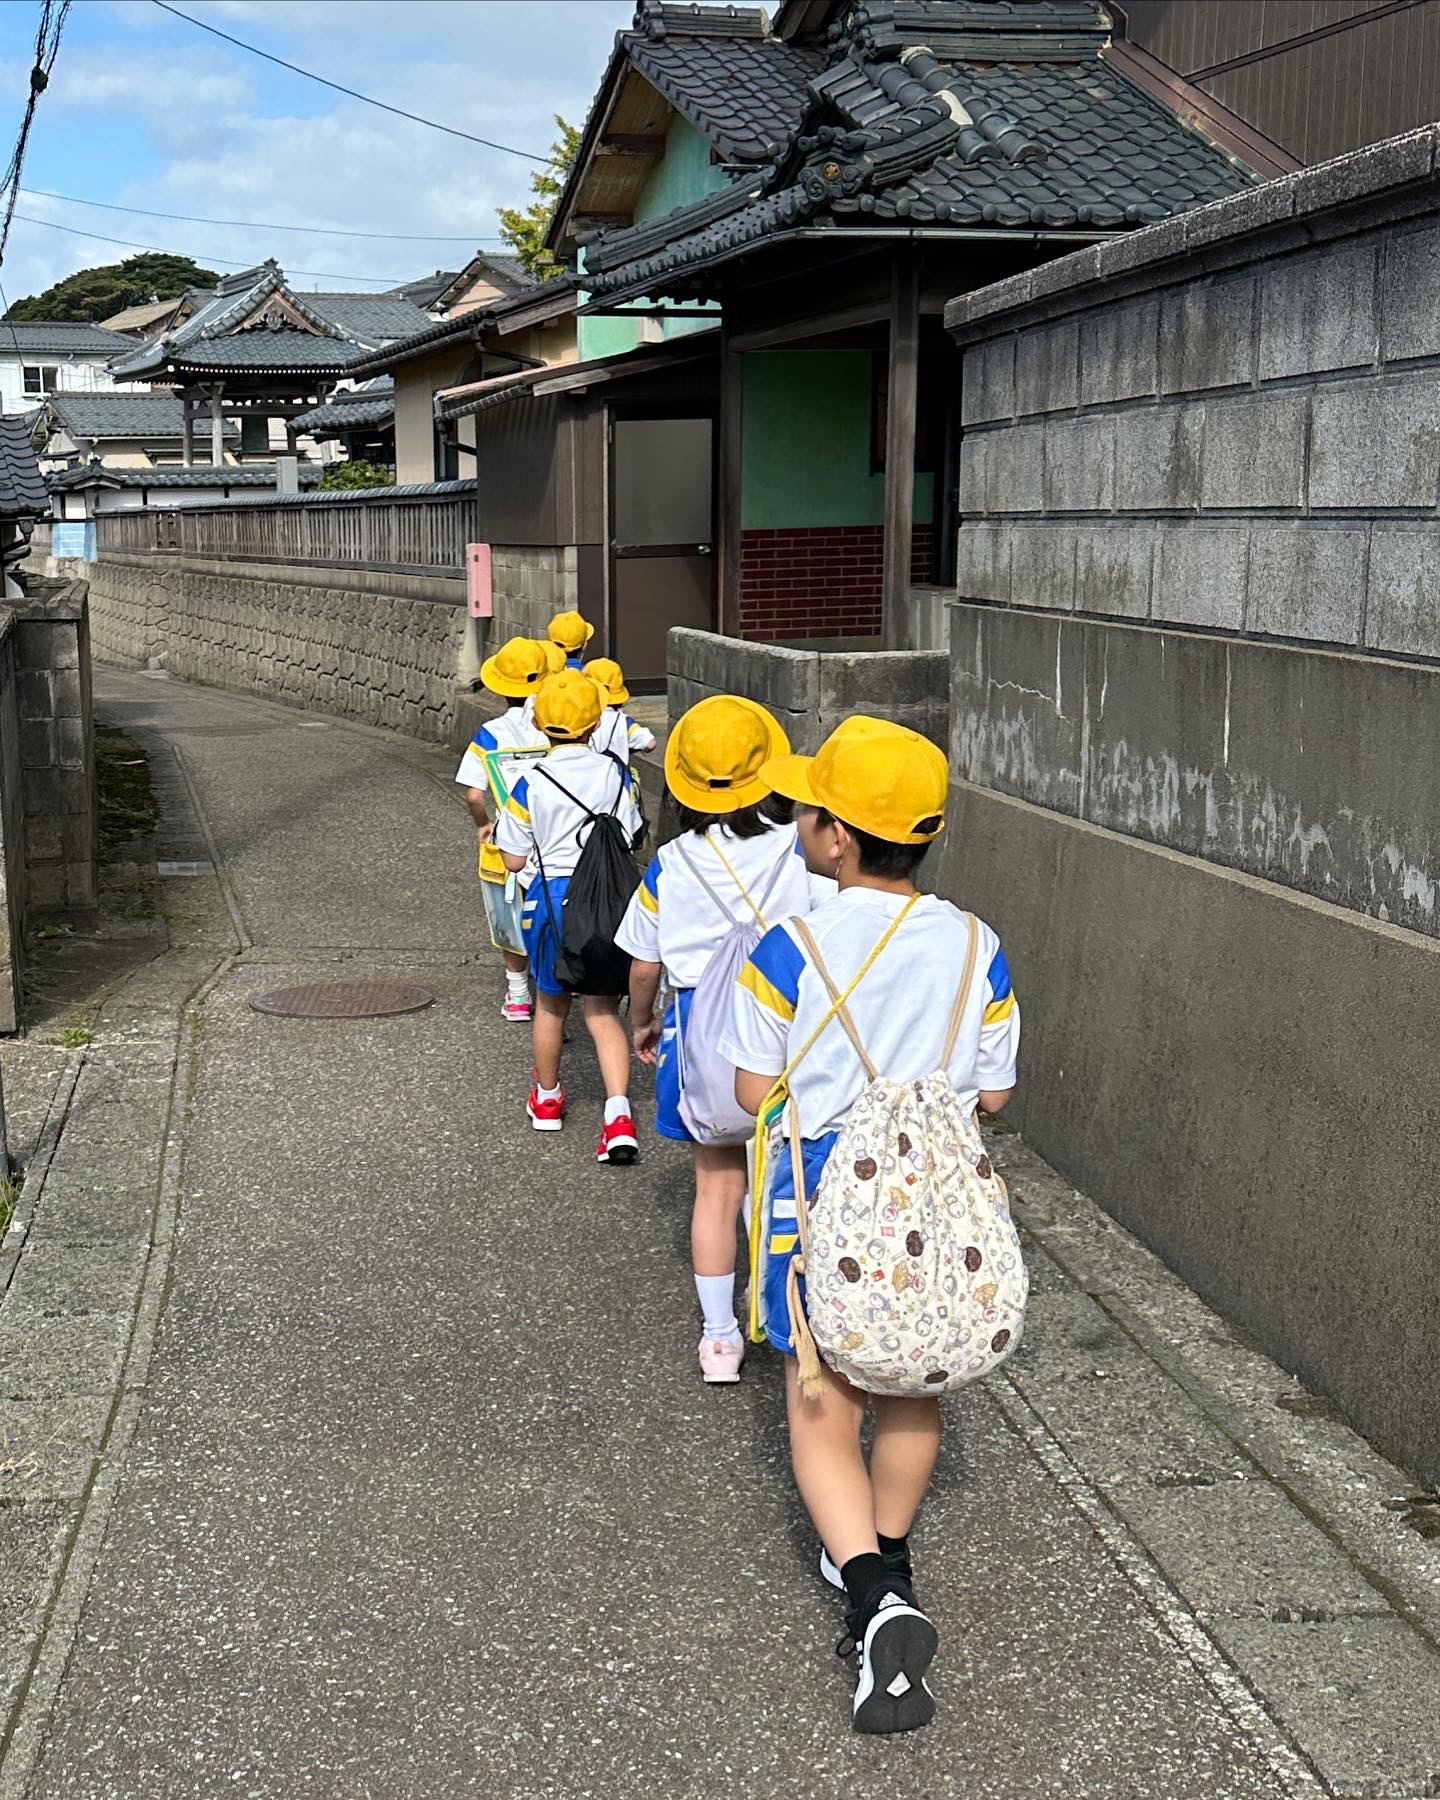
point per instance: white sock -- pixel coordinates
(616, 1107)
(544, 1093)
(517, 986)
(717, 1302)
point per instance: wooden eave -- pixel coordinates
(623, 148)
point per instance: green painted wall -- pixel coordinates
(683, 175)
(806, 443)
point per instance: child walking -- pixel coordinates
(870, 803)
(540, 835)
(736, 859)
(617, 732)
(515, 672)
(572, 633)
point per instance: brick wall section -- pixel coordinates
(818, 582)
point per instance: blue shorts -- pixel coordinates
(668, 1123)
(784, 1242)
(541, 944)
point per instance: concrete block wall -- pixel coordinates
(810, 691)
(57, 747)
(1238, 431)
(532, 582)
(383, 649)
(1195, 699)
(12, 836)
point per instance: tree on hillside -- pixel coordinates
(93, 294)
(524, 230)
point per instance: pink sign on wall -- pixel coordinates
(479, 588)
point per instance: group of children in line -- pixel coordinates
(817, 856)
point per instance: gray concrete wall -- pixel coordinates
(1230, 421)
(57, 747)
(1224, 748)
(1246, 1075)
(1195, 700)
(810, 691)
(12, 836)
(532, 582)
(384, 649)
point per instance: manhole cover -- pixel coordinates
(343, 1000)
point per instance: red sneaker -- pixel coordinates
(617, 1141)
(546, 1115)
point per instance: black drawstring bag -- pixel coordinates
(588, 960)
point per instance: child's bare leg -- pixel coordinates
(612, 1045)
(547, 1035)
(516, 963)
(829, 1470)
(902, 1459)
(719, 1192)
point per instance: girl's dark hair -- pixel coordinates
(749, 822)
(878, 856)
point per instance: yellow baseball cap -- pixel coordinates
(881, 778)
(517, 668)
(571, 632)
(568, 706)
(611, 677)
(715, 755)
(553, 653)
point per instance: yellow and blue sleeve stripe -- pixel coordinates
(649, 889)
(518, 805)
(1002, 998)
(485, 739)
(772, 975)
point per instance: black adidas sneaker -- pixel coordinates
(895, 1645)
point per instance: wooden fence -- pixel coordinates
(422, 529)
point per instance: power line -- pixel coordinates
(229, 261)
(47, 44)
(398, 237)
(384, 105)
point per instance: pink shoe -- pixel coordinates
(720, 1359)
(516, 1011)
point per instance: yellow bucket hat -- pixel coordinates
(570, 632)
(881, 778)
(567, 706)
(611, 677)
(715, 755)
(517, 668)
(554, 655)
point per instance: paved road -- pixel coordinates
(423, 1497)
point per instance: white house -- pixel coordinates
(42, 358)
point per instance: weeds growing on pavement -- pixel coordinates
(9, 1200)
(76, 1037)
(54, 931)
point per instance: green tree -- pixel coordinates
(90, 295)
(524, 230)
(357, 474)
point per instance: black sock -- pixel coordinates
(865, 1577)
(893, 1546)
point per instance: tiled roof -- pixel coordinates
(1035, 129)
(352, 409)
(251, 475)
(136, 318)
(60, 339)
(158, 414)
(347, 326)
(427, 288)
(466, 327)
(747, 94)
(23, 493)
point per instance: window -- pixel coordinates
(40, 378)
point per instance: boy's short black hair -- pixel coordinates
(749, 822)
(878, 856)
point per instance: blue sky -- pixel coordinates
(146, 110)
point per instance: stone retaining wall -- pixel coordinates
(384, 649)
